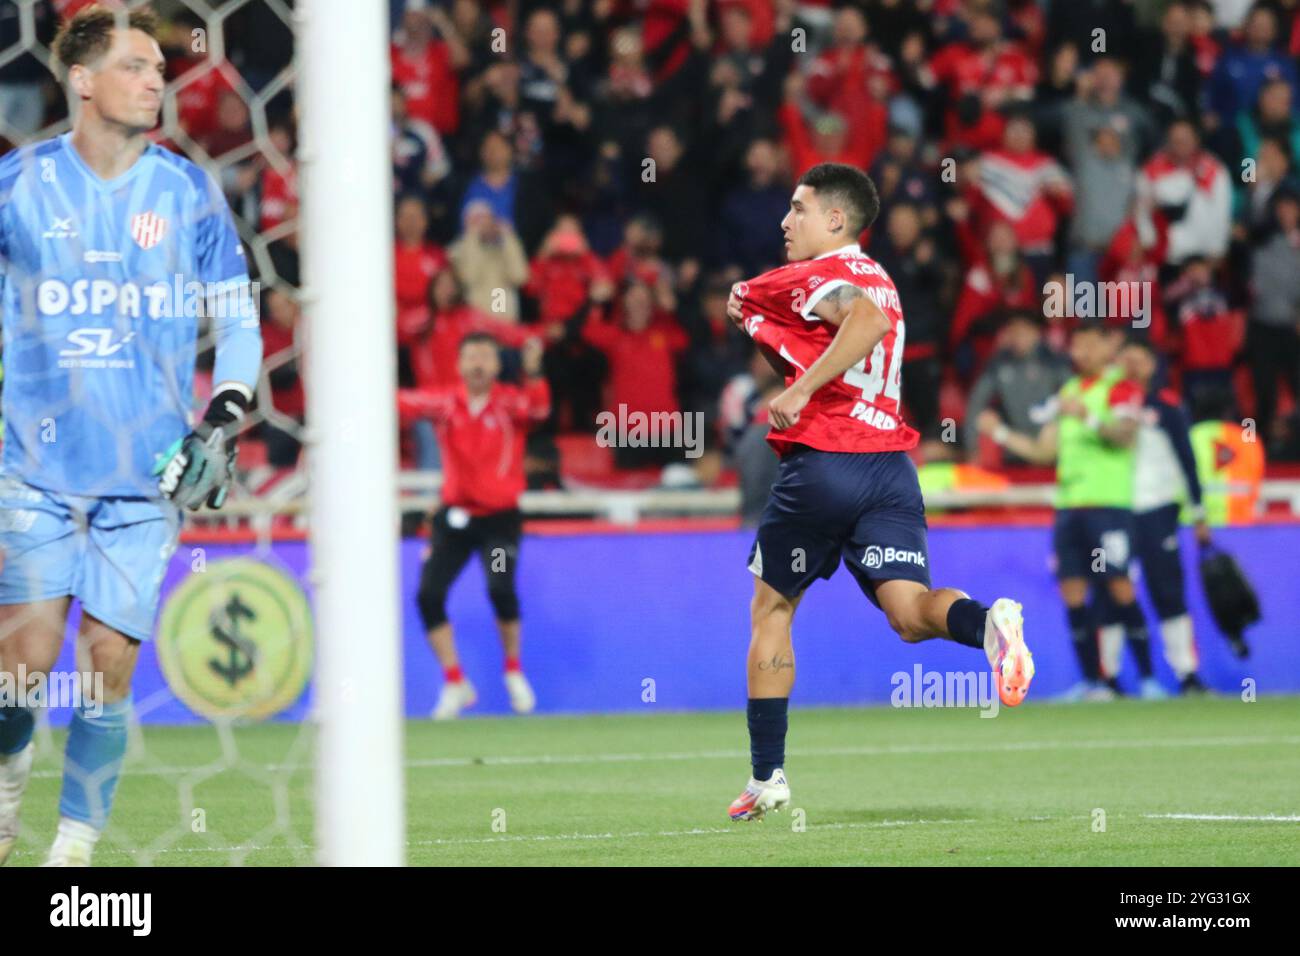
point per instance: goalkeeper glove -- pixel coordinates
(198, 468)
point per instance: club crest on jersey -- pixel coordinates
(148, 229)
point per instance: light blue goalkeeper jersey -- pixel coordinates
(104, 286)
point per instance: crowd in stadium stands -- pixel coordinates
(598, 173)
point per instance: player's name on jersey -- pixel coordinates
(870, 415)
(234, 299)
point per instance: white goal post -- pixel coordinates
(346, 242)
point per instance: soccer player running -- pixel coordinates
(831, 323)
(1165, 478)
(99, 228)
(1092, 442)
(481, 426)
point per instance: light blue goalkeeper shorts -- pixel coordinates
(108, 553)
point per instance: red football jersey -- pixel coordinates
(860, 410)
(482, 445)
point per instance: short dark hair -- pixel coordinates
(1138, 338)
(1022, 315)
(88, 35)
(847, 187)
(479, 338)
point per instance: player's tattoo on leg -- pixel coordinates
(777, 663)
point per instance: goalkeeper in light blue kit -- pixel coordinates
(112, 252)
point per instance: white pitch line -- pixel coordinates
(668, 834)
(536, 838)
(866, 751)
(1232, 817)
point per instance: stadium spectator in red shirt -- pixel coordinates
(562, 274)
(433, 349)
(979, 77)
(1128, 260)
(642, 349)
(829, 138)
(425, 64)
(281, 353)
(999, 281)
(415, 262)
(481, 425)
(231, 128)
(197, 94)
(855, 80)
(637, 260)
(278, 190)
(568, 283)
(1210, 333)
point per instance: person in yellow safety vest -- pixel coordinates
(1230, 463)
(937, 477)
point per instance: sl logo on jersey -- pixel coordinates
(97, 342)
(148, 229)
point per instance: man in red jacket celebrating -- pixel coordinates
(481, 426)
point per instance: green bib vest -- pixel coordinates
(1091, 472)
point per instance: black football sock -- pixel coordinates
(966, 622)
(1085, 644)
(767, 726)
(1135, 629)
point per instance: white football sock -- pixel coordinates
(1180, 647)
(1111, 645)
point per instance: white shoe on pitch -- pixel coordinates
(761, 796)
(73, 844)
(522, 698)
(15, 770)
(455, 697)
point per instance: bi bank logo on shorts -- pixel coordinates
(876, 556)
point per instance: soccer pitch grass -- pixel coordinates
(1181, 782)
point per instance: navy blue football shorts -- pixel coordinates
(1092, 542)
(863, 506)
